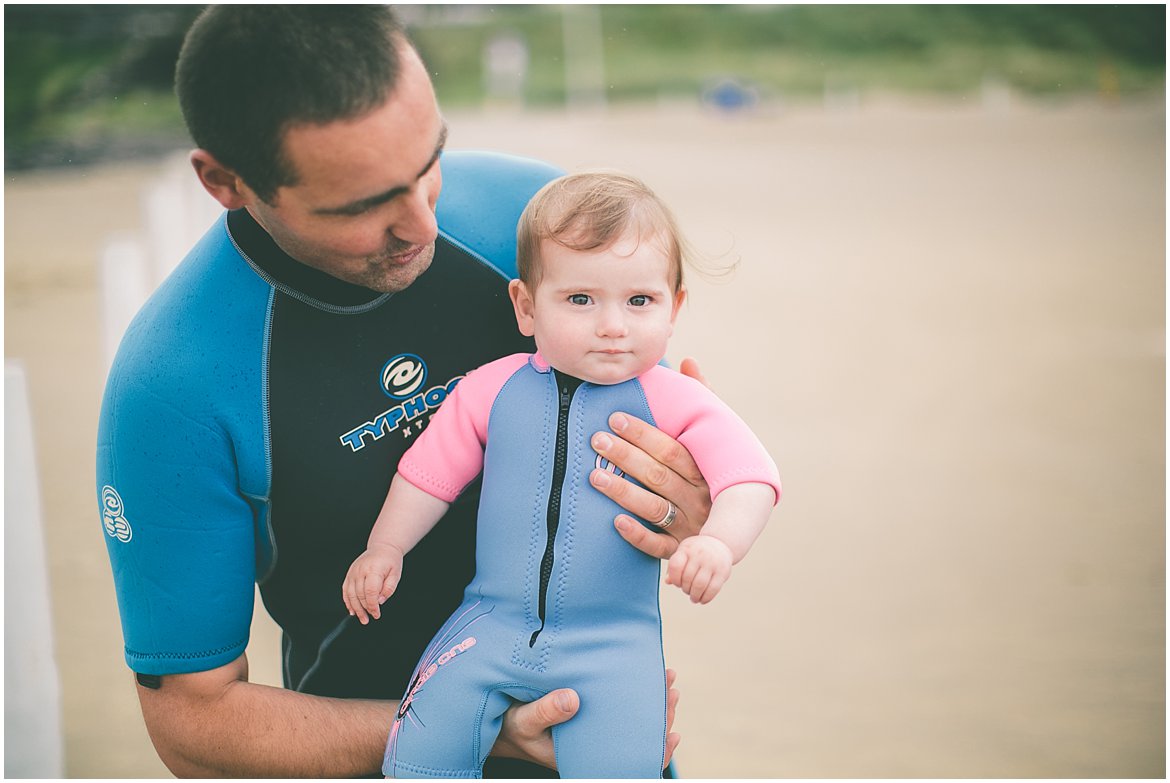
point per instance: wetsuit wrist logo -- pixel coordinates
(113, 517)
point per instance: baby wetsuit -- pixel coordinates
(559, 599)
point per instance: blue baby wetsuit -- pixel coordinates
(559, 599)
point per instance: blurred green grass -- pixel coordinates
(92, 81)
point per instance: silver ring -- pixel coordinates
(667, 520)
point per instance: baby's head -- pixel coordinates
(592, 210)
(600, 260)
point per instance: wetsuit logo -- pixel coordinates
(403, 375)
(404, 416)
(115, 522)
(603, 464)
(430, 671)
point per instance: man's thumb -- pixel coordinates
(558, 706)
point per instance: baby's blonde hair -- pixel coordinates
(589, 211)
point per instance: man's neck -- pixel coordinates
(258, 245)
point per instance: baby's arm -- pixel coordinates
(407, 515)
(703, 563)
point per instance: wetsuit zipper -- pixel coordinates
(566, 386)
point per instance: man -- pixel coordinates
(263, 396)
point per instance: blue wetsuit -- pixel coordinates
(559, 599)
(250, 428)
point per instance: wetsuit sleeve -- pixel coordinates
(179, 534)
(722, 445)
(449, 454)
(181, 466)
(483, 196)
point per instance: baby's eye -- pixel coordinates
(580, 299)
(641, 300)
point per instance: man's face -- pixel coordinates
(363, 208)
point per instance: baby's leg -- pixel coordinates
(437, 730)
(620, 730)
(453, 748)
(433, 733)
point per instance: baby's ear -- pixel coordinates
(679, 298)
(525, 307)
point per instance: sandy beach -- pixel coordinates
(947, 323)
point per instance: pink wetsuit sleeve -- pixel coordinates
(723, 446)
(448, 455)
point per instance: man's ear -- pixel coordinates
(524, 306)
(224, 185)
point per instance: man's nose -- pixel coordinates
(415, 222)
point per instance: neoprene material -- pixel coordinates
(559, 599)
(250, 428)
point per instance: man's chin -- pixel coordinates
(390, 277)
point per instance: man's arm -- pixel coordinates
(217, 724)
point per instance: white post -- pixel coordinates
(176, 213)
(584, 57)
(505, 60)
(165, 217)
(126, 282)
(33, 744)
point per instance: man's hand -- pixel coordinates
(526, 733)
(666, 470)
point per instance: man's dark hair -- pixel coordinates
(247, 73)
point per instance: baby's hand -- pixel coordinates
(372, 579)
(699, 567)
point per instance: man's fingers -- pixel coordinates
(639, 448)
(548, 711)
(644, 540)
(690, 368)
(672, 697)
(672, 741)
(629, 496)
(664, 468)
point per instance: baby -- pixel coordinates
(559, 599)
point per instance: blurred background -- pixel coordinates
(85, 83)
(946, 320)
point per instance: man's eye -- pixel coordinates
(356, 210)
(641, 300)
(579, 299)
